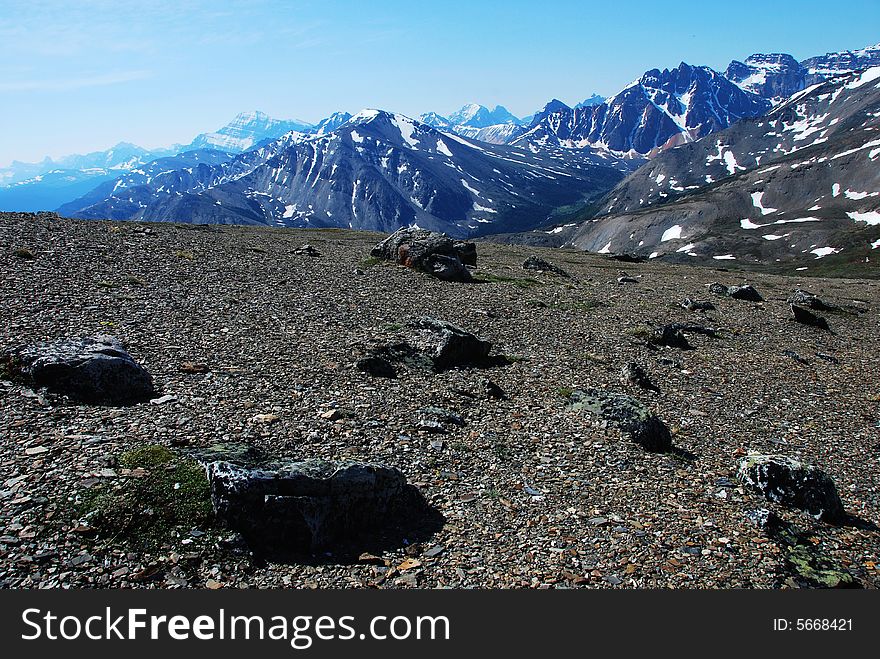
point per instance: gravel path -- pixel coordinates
(532, 495)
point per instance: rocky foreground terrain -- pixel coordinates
(251, 339)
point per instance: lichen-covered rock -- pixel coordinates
(86, 369)
(811, 300)
(625, 413)
(795, 484)
(308, 506)
(428, 251)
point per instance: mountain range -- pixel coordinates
(713, 149)
(377, 171)
(796, 186)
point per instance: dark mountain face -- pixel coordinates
(775, 77)
(379, 171)
(797, 185)
(660, 110)
(827, 66)
(144, 175)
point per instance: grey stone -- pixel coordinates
(697, 305)
(307, 506)
(811, 300)
(747, 292)
(449, 345)
(86, 369)
(625, 413)
(794, 484)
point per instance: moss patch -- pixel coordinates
(170, 498)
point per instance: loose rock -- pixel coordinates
(430, 252)
(625, 413)
(792, 483)
(87, 369)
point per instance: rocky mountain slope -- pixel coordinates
(777, 76)
(378, 171)
(49, 185)
(659, 110)
(798, 185)
(251, 339)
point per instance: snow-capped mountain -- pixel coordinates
(660, 110)
(245, 131)
(477, 122)
(144, 174)
(378, 171)
(829, 65)
(49, 183)
(795, 186)
(479, 116)
(777, 76)
(331, 123)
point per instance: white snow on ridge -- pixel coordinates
(406, 127)
(672, 233)
(756, 200)
(822, 252)
(606, 249)
(869, 75)
(442, 148)
(725, 257)
(875, 244)
(871, 218)
(469, 188)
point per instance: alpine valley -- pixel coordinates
(773, 161)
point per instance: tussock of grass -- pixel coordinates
(173, 497)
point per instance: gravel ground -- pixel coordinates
(532, 495)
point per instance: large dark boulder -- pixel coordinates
(449, 345)
(309, 506)
(428, 251)
(626, 414)
(86, 369)
(795, 484)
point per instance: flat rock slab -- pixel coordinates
(794, 484)
(429, 251)
(87, 369)
(308, 506)
(625, 413)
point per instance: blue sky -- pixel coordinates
(81, 76)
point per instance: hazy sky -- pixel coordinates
(79, 76)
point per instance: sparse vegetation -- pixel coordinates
(166, 494)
